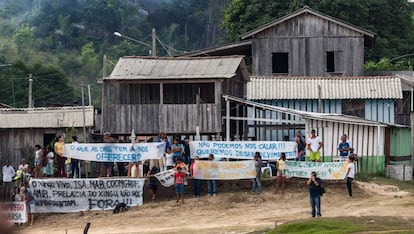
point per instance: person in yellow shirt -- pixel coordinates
(60, 159)
(281, 178)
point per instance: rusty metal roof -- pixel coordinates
(147, 68)
(275, 88)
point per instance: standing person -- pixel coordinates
(50, 156)
(344, 148)
(281, 178)
(211, 184)
(177, 149)
(196, 182)
(169, 161)
(106, 167)
(314, 184)
(186, 152)
(22, 173)
(37, 161)
(75, 163)
(153, 186)
(60, 159)
(300, 156)
(350, 174)
(8, 174)
(162, 162)
(258, 180)
(27, 196)
(314, 145)
(179, 184)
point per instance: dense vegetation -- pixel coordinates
(61, 43)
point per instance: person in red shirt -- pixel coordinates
(179, 184)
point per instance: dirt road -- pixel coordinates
(238, 211)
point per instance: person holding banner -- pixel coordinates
(27, 196)
(258, 180)
(211, 184)
(60, 159)
(315, 184)
(314, 145)
(177, 149)
(196, 182)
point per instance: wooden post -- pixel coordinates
(227, 120)
(154, 44)
(319, 99)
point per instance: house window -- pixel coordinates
(280, 63)
(330, 61)
(334, 61)
(186, 93)
(354, 107)
(139, 94)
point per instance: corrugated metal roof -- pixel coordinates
(337, 118)
(54, 117)
(279, 88)
(146, 68)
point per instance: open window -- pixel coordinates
(354, 107)
(280, 63)
(333, 62)
(186, 93)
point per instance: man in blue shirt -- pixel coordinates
(315, 184)
(344, 148)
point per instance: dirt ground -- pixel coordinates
(234, 210)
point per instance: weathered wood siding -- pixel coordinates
(16, 144)
(170, 118)
(307, 38)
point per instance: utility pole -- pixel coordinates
(89, 95)
(154, 44)
(84, 117)
(103, 100)
(30, 105)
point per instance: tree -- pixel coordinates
(379, 16)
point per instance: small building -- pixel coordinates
(22, 128)
(172, 95)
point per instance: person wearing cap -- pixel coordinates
(314, 145)
(8, 174)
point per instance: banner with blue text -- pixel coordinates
(115, 152)
(223, 170)
(324, 170)
(73, 195)
(269, 150)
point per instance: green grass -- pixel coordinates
(343, 225)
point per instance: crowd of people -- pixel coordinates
(51, 161)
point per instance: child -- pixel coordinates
(281, 178)
(153, 182)
(169, 158)
(179, 184)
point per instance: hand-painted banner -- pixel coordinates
(72, 195)
(269, 150)
(114, 152)
(324, 170)
(16, 211)
(223, 170)
(166, 178)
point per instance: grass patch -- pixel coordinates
(343, 225)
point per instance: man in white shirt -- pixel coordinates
(8, 174)
(314, 144)
(350, 174)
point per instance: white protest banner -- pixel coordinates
(16, 211)
(269, 150)
(324, 170)
(166, 178)
(223, 170)
(115, 152)
(72, 195)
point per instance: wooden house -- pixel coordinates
(172, 95)
(22, 128)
